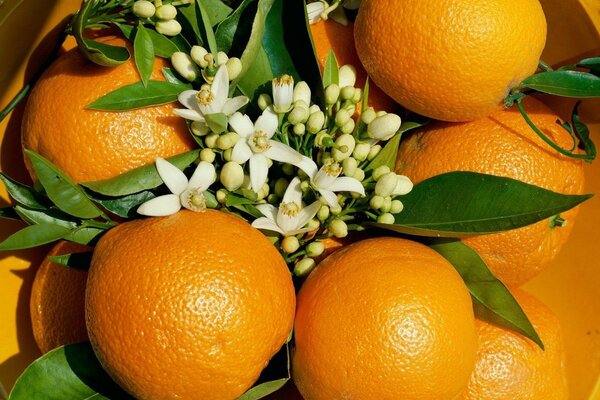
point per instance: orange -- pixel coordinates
(190, 306)
(383, 319)
(454, 60)
(328, 34)
(512, 367)
(503, 145)
(57, 301)
(92, 145)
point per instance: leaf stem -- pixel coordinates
(544, 67)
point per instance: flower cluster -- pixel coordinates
(162, 16)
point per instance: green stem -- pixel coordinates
(544, 67)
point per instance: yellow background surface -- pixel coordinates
(571, 286)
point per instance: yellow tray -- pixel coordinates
(569, 287)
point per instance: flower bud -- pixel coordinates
(344, 147)
(264, 101)
(166, 12)
(373, 152)
(227, 154)
(283, 93)
(288, 169)
(234, 67)
(386, 184)
(386, 218)
(143, 9)
(304, 186)
(221, 196)
(168, 28)
(347, 75)
(376, 202)
(380, 171)
(298, 115)
(347, 92)
(359, 175)
(368, 116)
(315, 249)
(314, 108)
(313, 224)
(280, 186)
(396, 207)
(211, 140)
(349, 166)
(306, 265)
(302, 92)
(227, 140)
(361, 151)
(185, 66)
(299, 129)
(232, 176)
(222, 58)
(207, 155)
(198, 53)
(290, 244)
(381, 113)
(403, 186)
(335, 210)
(199, 128)
(341, 117)
(384, 127)
(332, 93)
(315, 122)
(358, 93)
(348, 126)
(338, 228)
(387, 204)
(323, 213)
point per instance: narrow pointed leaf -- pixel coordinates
(268, 384)
(331, 72)
(23, 194)
(9, 213)
(492, 301)
(143, 54)
(256, 36)
(85, 235)
(206, 27)
(565, 83)
(33, 236)
(136, 95)
(125, 206)
(63, 192)
(68, 372)
(171, 77)
(216, 122)
(387, 155)
(49, 216)
(236, 26)
(163, 46)
(80, 261)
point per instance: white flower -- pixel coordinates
(290, 218)
(314, 11)
(256, 145)
(189, 194)
(327, 180)
(283, 93)
(210, 100)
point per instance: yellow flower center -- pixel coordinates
(290, 209)
(193, 199)
(259, 142)
(283, 80)
(205, 96)
(332, 168)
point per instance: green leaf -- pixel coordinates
(68, 372)
(582, 133)
(236, 200)
(216, 10)
(387, 156)
(365, 98)
(331, 73)
(63, 192)
(217, 122)
(139, 179)
(256, 36)
(163, 47)
(85, 235)
(171, 77)
(564, 83)
(9, 213)
(50, 216)
(33, 236)
(206, 24)
(257, 79)
(23, 194)
(136, 95)
(143, 53)
(492, 301)
(80, 261)
(273, 43)
(238, 26)
(466, 203)
(126, 206)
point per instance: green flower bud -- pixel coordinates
(211, 140)
(207, 155)
(332, 94)
(264, 101)
(323, 213)
(168, 28)
(198, 54)
(315, 249)
(288, 169)
(349, 166)
(304, 185)
(263, 191)
(381, 113)
(246, 183)
(386, 184)
(341, 117)
(290, 244)
(221, 196)
(302, 93)
(315, 122)
(313, 224)
(199, 128)
(335, 211)
(227, 154)
(325, 157)
(232, 176)
(304, 267)
(272, 199)
(361, 151)
(351, 108)
(359, 175)
(373, 152)
(227, 140)
(234, 67)
(298, 115)
(344, 147)
(380, 171)
(347, 92)
(386, 218)
(314, 108)
(357, 98)
(222, 58)
(143, 9)
(299, 129)
(348, 126)
(166, 12)
(324, 140)
(280, 186)
(185, 66)
(368, 115)
(387, 204)
(338, 228)
(376, 202)
(396, 207)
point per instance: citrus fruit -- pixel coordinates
(328, 34)
(92, 145)
(383, 318)
(512, 367)
(503, 145)
(57, 301)
(187, 306)
(454, 60)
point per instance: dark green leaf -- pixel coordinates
(85, 235)
(236, 27)
(258, 77)
(69, 372)
(235, 199)
(331, 73)
(387, 156)
(492, 301)
(139, 179)
(163, 47)
(582, 132)
(467, 203)
(365, 98)
(125, 206)
(186, 16)
(206, 27)
(593, 64)
(255, 41)
(9, 213)
(33, 236)
(79, 261)
(143, 53)
(63, 192)
(564, 83)
(136, 95)
(274, 44)
(49, 216)
(217, 122)
(217, 10)
(171, 77)
(23, 194)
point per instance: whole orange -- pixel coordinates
(57, 301)
(328, 34)
(503, 145)
(511, 367)
(453, 60)
(91, 145)
(380, 319)
(190, 306)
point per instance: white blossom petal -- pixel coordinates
(203, 176)
(330, 198)
(160, 206)
(306, 214)
(267, 224)
(309, 167)
(282, 153)
(323, 180)
(268, 210)
(241, 152)
(347, 184)
(259, 170)
(267, 122)
(188, 99)
(286, 222)
(293, 193)
(314, 11)
(234, 104)
(241, 124)
(220, 88)
(192, 115)
(172, 176)
(403, 186)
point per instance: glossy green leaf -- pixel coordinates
(80, 261)
(63, 192)
(70, 372)
(492, 301)
(217, 122)
(217, 10)
(592, 64)
(206, 27)
(235, 28)
(186, 15)
(143, 54)
(171, 77)
(49, 216)
(163, 46)
(365, 97)
(9, 213)
(23, 194)
(256, 36)
(387, 155)
(273, 43)
(258, 78)
(126, 206)
(582, 133)
(33, 236)
(85, 235)
(136, 95)
(139, 179)
(331, 73)
(564, 83)
(234, 199)
(466, 203)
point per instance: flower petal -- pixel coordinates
(241, 124)
(241, 152)
(259, 170)
(188, 99)
(172, 176)
(268, 210)
(203, 176)
(234, 104)
(403, 186)
(314, 11)
(330, 198)
(347, 184)
(293, 193)
(307, 165)
(160, 206)
(306, 214)
(267, 224)
(267, 122)
(192, 115)
(220, 88)
(323, 180)
(282, 153)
